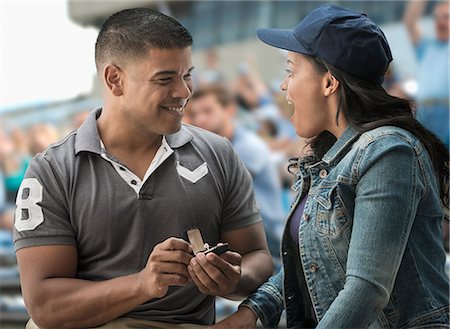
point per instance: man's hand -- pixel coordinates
(244, 318)
(216, 275)
(166, 266)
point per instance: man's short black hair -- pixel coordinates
(131, 33)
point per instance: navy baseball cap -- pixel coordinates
(346, 39)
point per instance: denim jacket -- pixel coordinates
(370, 239)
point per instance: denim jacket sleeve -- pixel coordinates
(267, 301)
(389, 187)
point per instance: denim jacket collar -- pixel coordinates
(334, 154)
(338, 149)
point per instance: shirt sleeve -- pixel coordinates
(267, 301)
(41, 216)
(239, 208)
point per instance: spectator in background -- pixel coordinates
(254, 96)
(6, 218)
(12, 167)
(213, 108)
(211, 73)
(261, 112)
(40, 136)
(14, 158)
(433, 69)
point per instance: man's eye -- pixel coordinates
(164, 80)
(187, 76)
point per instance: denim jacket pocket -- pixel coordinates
(332, 216)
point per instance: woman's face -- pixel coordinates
(305, 90)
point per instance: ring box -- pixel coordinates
(218, 250)
(196, 241)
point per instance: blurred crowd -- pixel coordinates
(18, 146)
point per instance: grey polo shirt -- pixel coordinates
(73, 194)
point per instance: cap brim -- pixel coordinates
(283, 39)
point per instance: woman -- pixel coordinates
(362, 245)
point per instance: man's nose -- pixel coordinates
(182, 90)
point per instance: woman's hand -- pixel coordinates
(244, 318)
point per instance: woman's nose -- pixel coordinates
(283, 85)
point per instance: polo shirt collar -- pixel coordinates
(88, 138)
(180, 138)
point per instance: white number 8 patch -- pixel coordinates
(28, 214)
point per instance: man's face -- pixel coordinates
(441, 21)
(156, 89)
(207, 113)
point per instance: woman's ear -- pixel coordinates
(331, 84)
(112, 75)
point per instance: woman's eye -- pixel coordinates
(289, 72)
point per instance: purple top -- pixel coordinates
(295, 220)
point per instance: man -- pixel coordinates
(213, 108)
(101, 215)
(432, 56)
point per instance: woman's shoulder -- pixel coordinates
(388, 143)
(387, 137)
(384, 131)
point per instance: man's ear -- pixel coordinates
(113, 75)
(331, 84)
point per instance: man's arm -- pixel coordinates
(413, 13)
(256, 265)
(228, 275)
(55, 298)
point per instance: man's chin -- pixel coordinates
(173, 130)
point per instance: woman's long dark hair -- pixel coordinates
(367, 106)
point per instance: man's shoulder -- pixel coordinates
(58, 152)
(62, 147)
